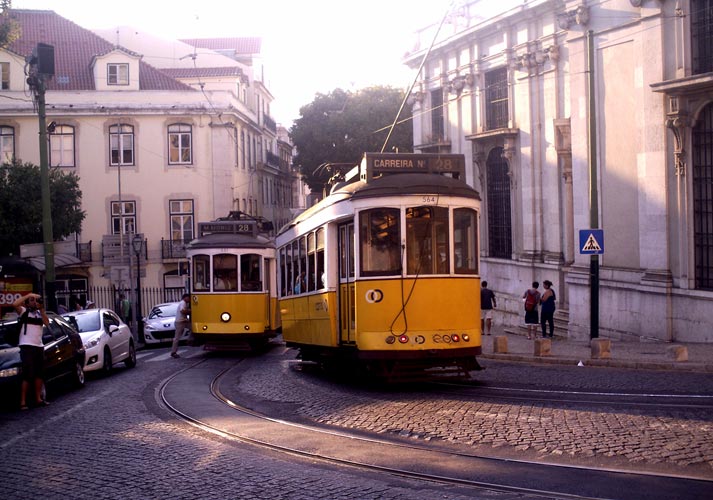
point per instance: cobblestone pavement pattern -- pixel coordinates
(554, 432)
(107, 441)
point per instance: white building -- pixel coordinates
(162, 134)
(510, 90)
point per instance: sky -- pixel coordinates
(309, 46)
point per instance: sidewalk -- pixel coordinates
(624, 354)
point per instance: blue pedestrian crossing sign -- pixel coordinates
(591, 241)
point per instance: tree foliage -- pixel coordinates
(9, 28)
(21, 205)
(341, 126)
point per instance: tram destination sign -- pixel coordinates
(227, 227)
(389, 163)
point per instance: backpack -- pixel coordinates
(530, 301)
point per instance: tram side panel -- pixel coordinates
(310, 319)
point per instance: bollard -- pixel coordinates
(601, 348)
(678, 352)
(543, 347)
(500, 344)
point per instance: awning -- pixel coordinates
(60, 260)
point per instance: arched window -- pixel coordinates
(702, 168)
(62, 146)
(499, 217)
(179, 144)
(7, 144)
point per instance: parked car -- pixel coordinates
(107, 339)
(160, 324)
(64, 355)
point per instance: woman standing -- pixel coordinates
(548, 309)
(32, 319)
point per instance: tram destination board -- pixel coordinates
(227, 227)
(383, 163)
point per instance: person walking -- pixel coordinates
(548, 309)
(32, 318)
(487, 304)
(532, 298)
(182, 322)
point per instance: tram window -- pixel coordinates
(201, 266)
(283, 271)
(465, 240)
(296, 271)
(250, 273)
(427, 248)
(311, 262)
(225, 272)
(343, 253)
(321, 277)
(379, 240)
(350, 235)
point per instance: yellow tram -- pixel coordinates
(233, 297)
(383, 273)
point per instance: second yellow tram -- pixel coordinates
(233, 298)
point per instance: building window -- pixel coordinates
(496, 99)
(499, 218)
(121, 140)
(62, 146)
(179, 144)
(124, 211)
(5, 76)
(181, 214)
(437, 123)
(7, 144)
(117, 74)
(702, 159)
(702, 35)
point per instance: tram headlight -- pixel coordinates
(390, 339)
(403, 338)
(465, 337)
(455, 337)
(225, 317)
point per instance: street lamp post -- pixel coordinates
(137, 243)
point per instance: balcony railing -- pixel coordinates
(173, 249)
(270, 123)
(272, 159)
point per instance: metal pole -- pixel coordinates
(46, 201)
(593, 194)
(140, 323)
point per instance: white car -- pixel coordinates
(160, 324)
(107, 340)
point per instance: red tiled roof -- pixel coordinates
(74, 49)
(241, 45)
(202, 72)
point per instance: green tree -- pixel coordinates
(21, 205)
(9, 29)
(341, 126)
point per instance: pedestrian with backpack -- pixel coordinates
(531, 297)
(31, 319)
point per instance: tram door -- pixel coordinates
(347, 307)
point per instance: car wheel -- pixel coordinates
(108, 362)
(130, 362)
(78, 374)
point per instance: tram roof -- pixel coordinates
(390, 185)
(225, 240)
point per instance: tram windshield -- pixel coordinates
(380, 251)
(428, 241)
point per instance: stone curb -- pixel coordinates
(682, 366)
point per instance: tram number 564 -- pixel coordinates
(429, 199)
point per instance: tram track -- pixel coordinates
(477, 390)
(214, 412)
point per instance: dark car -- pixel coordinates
(64, 355)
